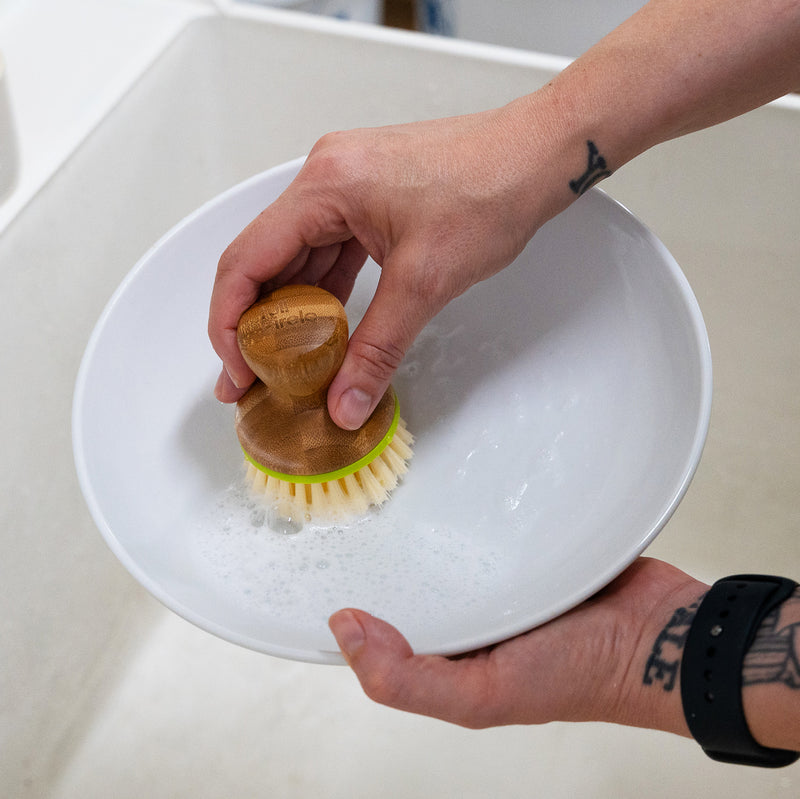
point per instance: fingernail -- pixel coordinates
(218, 386)
(354, 407)
(348, 632)
(232, 378)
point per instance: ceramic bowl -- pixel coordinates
(560, 411)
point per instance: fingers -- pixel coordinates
(376, 349)
(254, 257)
(225, 389)
(372, 358)
(457, 691)
(285, 243)
(333, 267)
(232, 294)
(341, 276)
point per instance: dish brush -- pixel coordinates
(300, 462)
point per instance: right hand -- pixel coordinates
(438, 205)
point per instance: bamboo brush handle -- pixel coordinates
(294, 339)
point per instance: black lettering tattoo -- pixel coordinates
(774, 656)
(596, 170)
(665, 658)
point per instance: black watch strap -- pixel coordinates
(711, 667)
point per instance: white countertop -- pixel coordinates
(102, 691)
(68, 63)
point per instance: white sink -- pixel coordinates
(102, 691)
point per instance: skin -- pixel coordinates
(603, 645)
(441, 205)
(605, 660)
(444, 204)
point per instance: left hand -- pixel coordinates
(587, 665)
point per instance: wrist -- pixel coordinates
(593, 99)
(653, 698)
(742, 632)
(571, 134)
(646, 613)
(552, 154)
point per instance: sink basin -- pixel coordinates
(103, 691)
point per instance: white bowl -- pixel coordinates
(560, 411)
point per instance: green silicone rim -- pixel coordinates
(308, 479)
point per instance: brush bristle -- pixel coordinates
(342, 499)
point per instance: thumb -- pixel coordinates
(391, 674)
(382, 660)
(367, 641)
(374, 352)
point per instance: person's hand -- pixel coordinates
(612, 658)
(438, 205)
(442, 205)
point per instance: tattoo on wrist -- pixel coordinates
(664, 661)
(774, 656)
(596, 170)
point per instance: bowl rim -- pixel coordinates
(691, 461)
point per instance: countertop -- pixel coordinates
(102, 691)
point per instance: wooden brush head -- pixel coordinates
(294, 339)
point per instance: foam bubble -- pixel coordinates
(382, 563)
(446, 548)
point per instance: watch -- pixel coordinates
(721, 633)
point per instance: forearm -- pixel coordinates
(674, 67)
(770, 673)
(771, 679)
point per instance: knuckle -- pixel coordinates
(377, 361)
(380, 687)
(231, 259)
(331, 159)
(427, 290)
(481, 714)
(490, 702)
